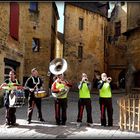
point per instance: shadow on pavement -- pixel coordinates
(52, 130)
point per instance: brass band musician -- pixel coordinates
(10, 111)
(32, 83)
(84, 101)
(105, 99)
(60, 87)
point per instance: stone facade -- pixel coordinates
(59, 45)
(133, 45)
(92, 40)
(41, 25)
(117, 45)
(11, 51)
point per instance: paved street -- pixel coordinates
(48, 129)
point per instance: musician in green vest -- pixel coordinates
(10, 111)
(105, 99)
(60, 88)
(84, 101)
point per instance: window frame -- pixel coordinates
(36, 40)
(81, 23)
(80, 52)
(36, 7)
(117, 29)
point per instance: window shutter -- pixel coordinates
(14, 20)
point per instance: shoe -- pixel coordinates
(9, 126)
(78, 124)
(29, 122)
(57, 123)
(6, 124)
(63, 123)
(41, 120)
(90, 124)
(110, 125)
(15, 124)
(103, 125)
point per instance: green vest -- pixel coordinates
(105, 91)
(61, 86)
(10, 84)
(84, 92)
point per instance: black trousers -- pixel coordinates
(10, 115)
(61, 104)
(106, 103)
(32, 101)
(87, 103)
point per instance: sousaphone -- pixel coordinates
(58, 66)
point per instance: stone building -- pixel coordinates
(85, 39)
(11, 47)
(133, 46)
(39, 30)
(27, 38)
(59, 45)
(117, 46)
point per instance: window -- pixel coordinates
(35, 45)
(33, 7)
(80, 52)
(80, 23)
(14, 20)
(117, 29)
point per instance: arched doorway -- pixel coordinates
(137, 79)
(121, 79)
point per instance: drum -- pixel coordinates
(16, 98)
(40, 93)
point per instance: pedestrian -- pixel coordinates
(105, 99)
(10, 113)
(84, 101)
(33, 83)
(61, 87)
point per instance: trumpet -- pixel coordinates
(86, 79)
(108, 79)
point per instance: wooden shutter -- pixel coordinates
(14, 20)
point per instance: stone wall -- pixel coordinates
(133, 15)
(9, 48)
(91, 38)
(37, 26)
(117, 46)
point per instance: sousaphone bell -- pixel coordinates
(58, 66)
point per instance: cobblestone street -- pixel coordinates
(48, 129)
